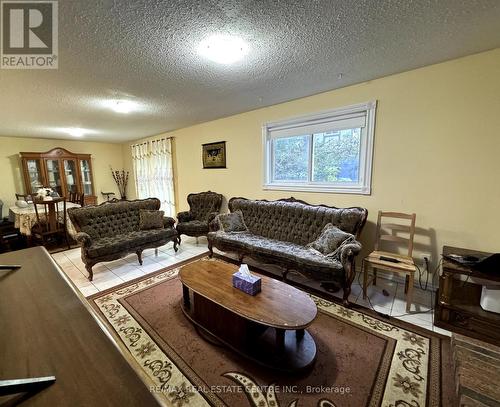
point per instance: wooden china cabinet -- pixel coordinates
(60, 170)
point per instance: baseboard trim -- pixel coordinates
(399, 278)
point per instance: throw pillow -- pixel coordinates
(232, 222)
(150, 219)
(330, 239)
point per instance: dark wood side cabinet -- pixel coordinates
(457, 303)
(60, 170)
(48, 329)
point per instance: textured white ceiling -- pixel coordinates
(146, 51)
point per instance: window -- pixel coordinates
(327, 152)
(153, 172)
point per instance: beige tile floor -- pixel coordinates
(110, 274)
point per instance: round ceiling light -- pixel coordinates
(75, 131)
(223, 49)
(121, 106)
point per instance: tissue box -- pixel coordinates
(248, 284)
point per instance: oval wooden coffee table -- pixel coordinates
(269, 328)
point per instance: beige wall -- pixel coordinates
(103, 155)
(437, 152)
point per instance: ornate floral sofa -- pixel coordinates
(203, 207)
(112, 230)
(280, 231)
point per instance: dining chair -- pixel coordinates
(10, 237)
(24, 197)
(76, 197)
(51, 220)
(390, 261)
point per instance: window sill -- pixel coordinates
(329, 189)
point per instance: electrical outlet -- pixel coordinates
(427, 256)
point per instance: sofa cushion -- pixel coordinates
(232, 222)
(259, 245)
(127, 241)
(150, 219)
(330, 239)
(193, 226)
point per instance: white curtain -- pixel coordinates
(153, 172)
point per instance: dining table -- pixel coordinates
(25, 218)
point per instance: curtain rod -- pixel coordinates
(146, 142)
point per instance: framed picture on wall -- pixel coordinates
(214, 155)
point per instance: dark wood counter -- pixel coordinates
(48, 329)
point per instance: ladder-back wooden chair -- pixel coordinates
(76, 197)
(389, 261)
(51, 220)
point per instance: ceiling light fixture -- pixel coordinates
(72, 131)
(121, 106)
(223, 49)
(76, 131)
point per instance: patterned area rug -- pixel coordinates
(362, 360)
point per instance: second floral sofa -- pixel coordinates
(316, 240)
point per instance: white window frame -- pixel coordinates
(363, 187)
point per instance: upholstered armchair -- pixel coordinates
(203, 208)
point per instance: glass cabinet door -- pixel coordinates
(54, 176)
(86, 177)
(70, 176)
(34, 174)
